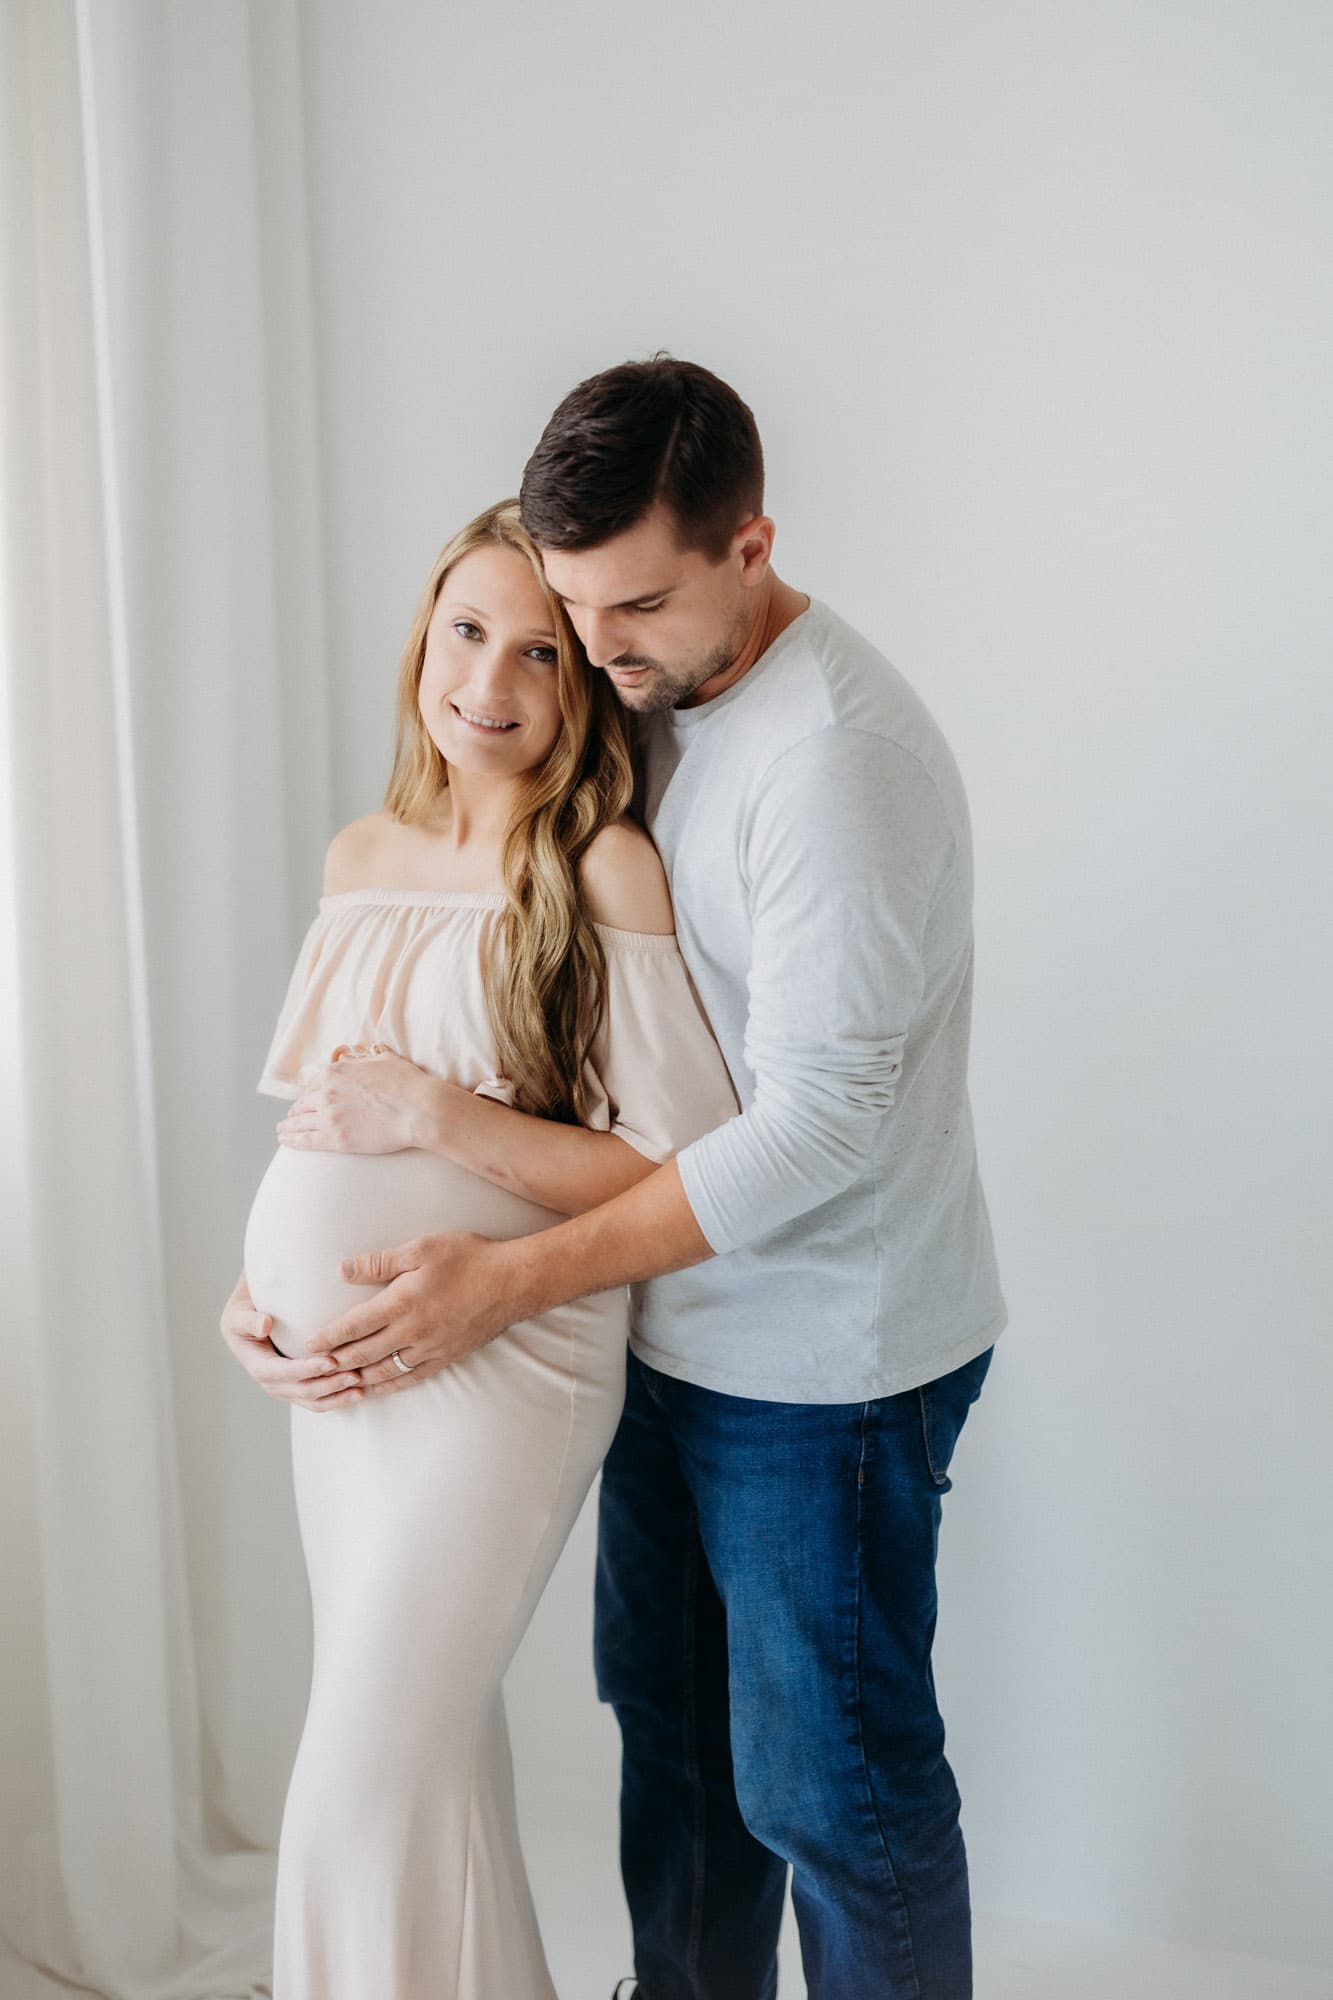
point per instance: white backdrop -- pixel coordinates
(1032, 303)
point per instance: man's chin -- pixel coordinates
(647, 696)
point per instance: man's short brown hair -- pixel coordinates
(646, 433)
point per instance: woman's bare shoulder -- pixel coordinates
(355, 854)
(624, 882)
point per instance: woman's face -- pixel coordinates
(488, 691)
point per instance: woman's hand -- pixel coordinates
(316, 1382)
(366, 1100)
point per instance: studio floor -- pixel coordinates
(1015, 1961)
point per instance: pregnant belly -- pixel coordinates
(313, 1209)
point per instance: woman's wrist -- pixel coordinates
(432, 1113)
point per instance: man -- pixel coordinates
(815, 1293)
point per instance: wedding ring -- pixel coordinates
(405, 1367)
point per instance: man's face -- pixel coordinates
(660, 620)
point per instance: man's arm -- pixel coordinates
(846, 852)
(643, 1233)
(441, 1297)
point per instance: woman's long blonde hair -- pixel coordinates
(545, 972)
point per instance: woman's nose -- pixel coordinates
(492, 671)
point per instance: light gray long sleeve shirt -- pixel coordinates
(816, 836)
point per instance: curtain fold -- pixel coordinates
(164, 751)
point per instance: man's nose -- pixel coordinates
(602, 638)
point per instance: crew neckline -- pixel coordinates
(689, 718)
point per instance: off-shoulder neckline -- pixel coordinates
(463, 899)
(472, 899)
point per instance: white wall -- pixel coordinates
(1032, 303)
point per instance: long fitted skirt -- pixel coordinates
(431, 1520)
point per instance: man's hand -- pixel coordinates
(441, 1297)
(445, 1296)
(315, 1382)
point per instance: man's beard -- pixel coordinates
(668, 686)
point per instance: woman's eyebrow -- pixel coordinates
(457, 604)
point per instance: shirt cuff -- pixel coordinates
(693, 1178)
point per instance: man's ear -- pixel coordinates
(753, 544)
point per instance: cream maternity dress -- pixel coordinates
(431, 1519)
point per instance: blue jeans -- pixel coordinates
(765, 1612)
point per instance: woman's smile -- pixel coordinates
(476, 720)
(491, 630)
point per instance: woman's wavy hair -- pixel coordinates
(544, 968)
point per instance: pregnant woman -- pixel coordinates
(489, 1027)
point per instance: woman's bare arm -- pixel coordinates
(382, 1102)
(562, 1167)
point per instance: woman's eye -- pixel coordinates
(466, 628)
(546, 654)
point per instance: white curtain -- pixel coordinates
(163, 753)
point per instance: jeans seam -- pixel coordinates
(694, 1937)
(928, 1436)
(860, 1710)
(650, 1386)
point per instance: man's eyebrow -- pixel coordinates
(628, 603)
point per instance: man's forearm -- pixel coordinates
(643, 1233)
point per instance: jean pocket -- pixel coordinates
(944, 1404)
